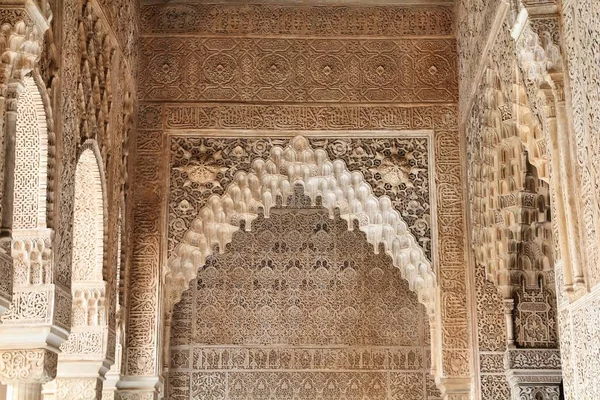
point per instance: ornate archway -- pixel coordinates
(298, 164)
(326, 183)
(85, 355)
(300, 307)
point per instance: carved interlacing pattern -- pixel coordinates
(88, 224)
(27, 365)
(451, 243)
(581, 40)
(31, 156)
(491, 335)
(141, 346)
(397, 168)
(82, 389)
(200, 53)
(291, 296)
(325, 181)
(291, 117)
(535, 318)
(69, 139)
(447, 149)
(298, 70)
(296, 20)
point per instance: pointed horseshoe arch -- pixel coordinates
(299, 164)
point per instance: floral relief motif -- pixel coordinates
(298, 70)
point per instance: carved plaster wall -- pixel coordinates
(579, 319)
(300, 306)
(525, 47)
(197, 64)
(90, 96)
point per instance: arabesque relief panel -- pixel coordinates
(300, 307)
(396, 167)
(442, 120)
(296, 20)
(298, 70)
(218, 70)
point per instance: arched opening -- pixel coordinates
(83, 355)
(88, 219)
(30, 236)
(301, 177)
(301, 307)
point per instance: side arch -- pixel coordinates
(89, 221)
(332, 182)
(31, 159)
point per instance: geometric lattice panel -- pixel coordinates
(300, 307)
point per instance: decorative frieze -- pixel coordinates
(296, 20)
(298, 70)
(295, 117)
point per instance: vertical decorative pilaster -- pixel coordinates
(455, 375)
(142, 359)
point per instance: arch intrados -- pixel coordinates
(90, 153)
(338, 188)
(50, 144)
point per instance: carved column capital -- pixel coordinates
(29, 366)
(532, 373)
(21, 38)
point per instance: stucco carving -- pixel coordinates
(292, 117)
(27, 366)
(296, 20)
(298, 164)
(253, 72)
(579, 321)
(395, 167)
(298, 70)
(21, 42)
(442, 119)
(300, 351)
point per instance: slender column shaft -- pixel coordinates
(569, 206)
(24, 391)
(9, 176)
